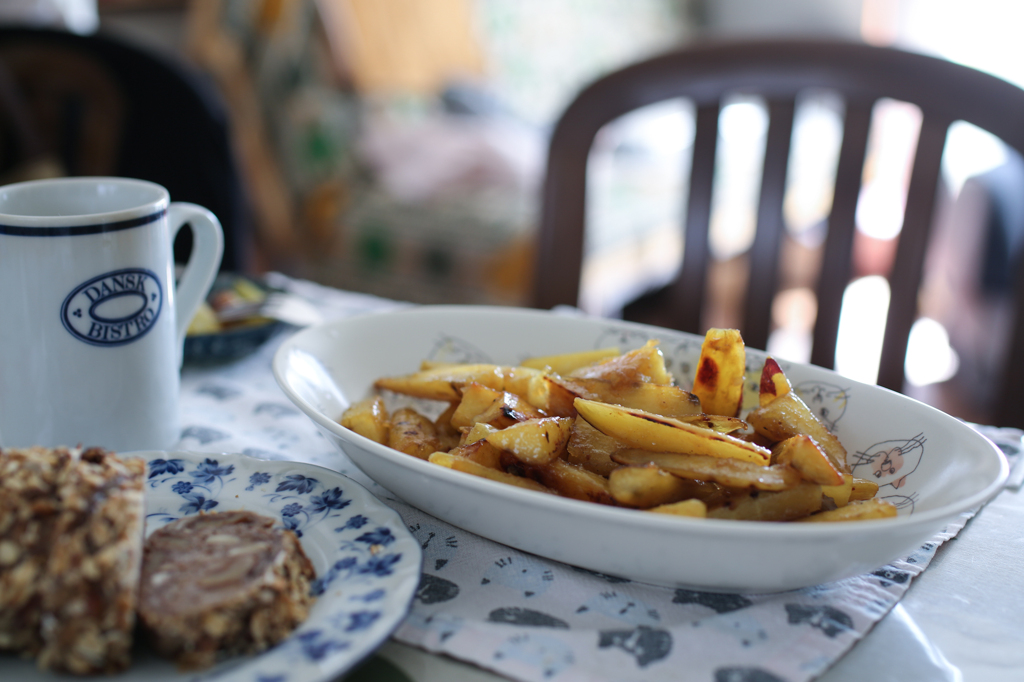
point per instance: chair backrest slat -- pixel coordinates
(763, 278)
(833, 279)
(908, 267)
(563, 205)
(1009, 401)
(687, 294)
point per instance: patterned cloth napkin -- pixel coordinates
(532, 619)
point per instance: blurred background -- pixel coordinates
(397, 147)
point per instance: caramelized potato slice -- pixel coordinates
(668, 401)
(468, 466)
(369, 418)
(773, 382)
(412, 433)
(591, 449)
(840, 494)
(534, 441)
(645, 364)
(788, 416)
(564, 363)
(497, 408)
(803, 454)
(784, 505)
(447, 433)
(692, 508)
(509, 410)
(715, 422)
(443, 382)
(857, 510)
(639, 429)
(478, 431)
(476, 399)
(548, 394)
(862, 489)
(569, 480)
(733, 473)
(481, 452)
(649, 486)
(720, 372)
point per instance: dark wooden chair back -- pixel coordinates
(99, 105)
(779, 71)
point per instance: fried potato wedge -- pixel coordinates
(649, 486)
(857, 510)
(785, 505)
(497, 408)
(481, 452)
(734, 473)
(591, 449)
(509, 410)
(639, 429)
(862, 489)
(447, 433)
(478, 431)
(534, 441)
(546, 392)
(412, 433)
(645, 364)
(475, 400)
(447, 459)
(369, 418)
(692, 508)
(839, 494)
(720, 372)
(715, 422)
(773, 382)
(788, 416)
(443, 382)
(803, 454)
(564, 363)
(668, 401)
(569, 480)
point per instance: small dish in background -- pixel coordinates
(229, 324)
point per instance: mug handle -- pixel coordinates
(203, 263)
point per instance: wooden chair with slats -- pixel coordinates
(779, 71)
(101, 105)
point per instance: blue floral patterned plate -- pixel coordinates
(367, 563)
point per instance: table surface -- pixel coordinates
(962, 619)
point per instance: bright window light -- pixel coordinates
(880, 210)
(742, 125)
(930, 359)
(862, 328)
(970, 151)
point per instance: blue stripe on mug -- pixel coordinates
(74, 230)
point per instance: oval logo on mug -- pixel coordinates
(115, 308)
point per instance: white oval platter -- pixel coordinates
(932, 466)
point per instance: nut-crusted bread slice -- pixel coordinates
(222, 583)
(71, 529)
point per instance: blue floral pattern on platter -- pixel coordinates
(366, 560)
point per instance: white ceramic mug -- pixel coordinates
(92, 325)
